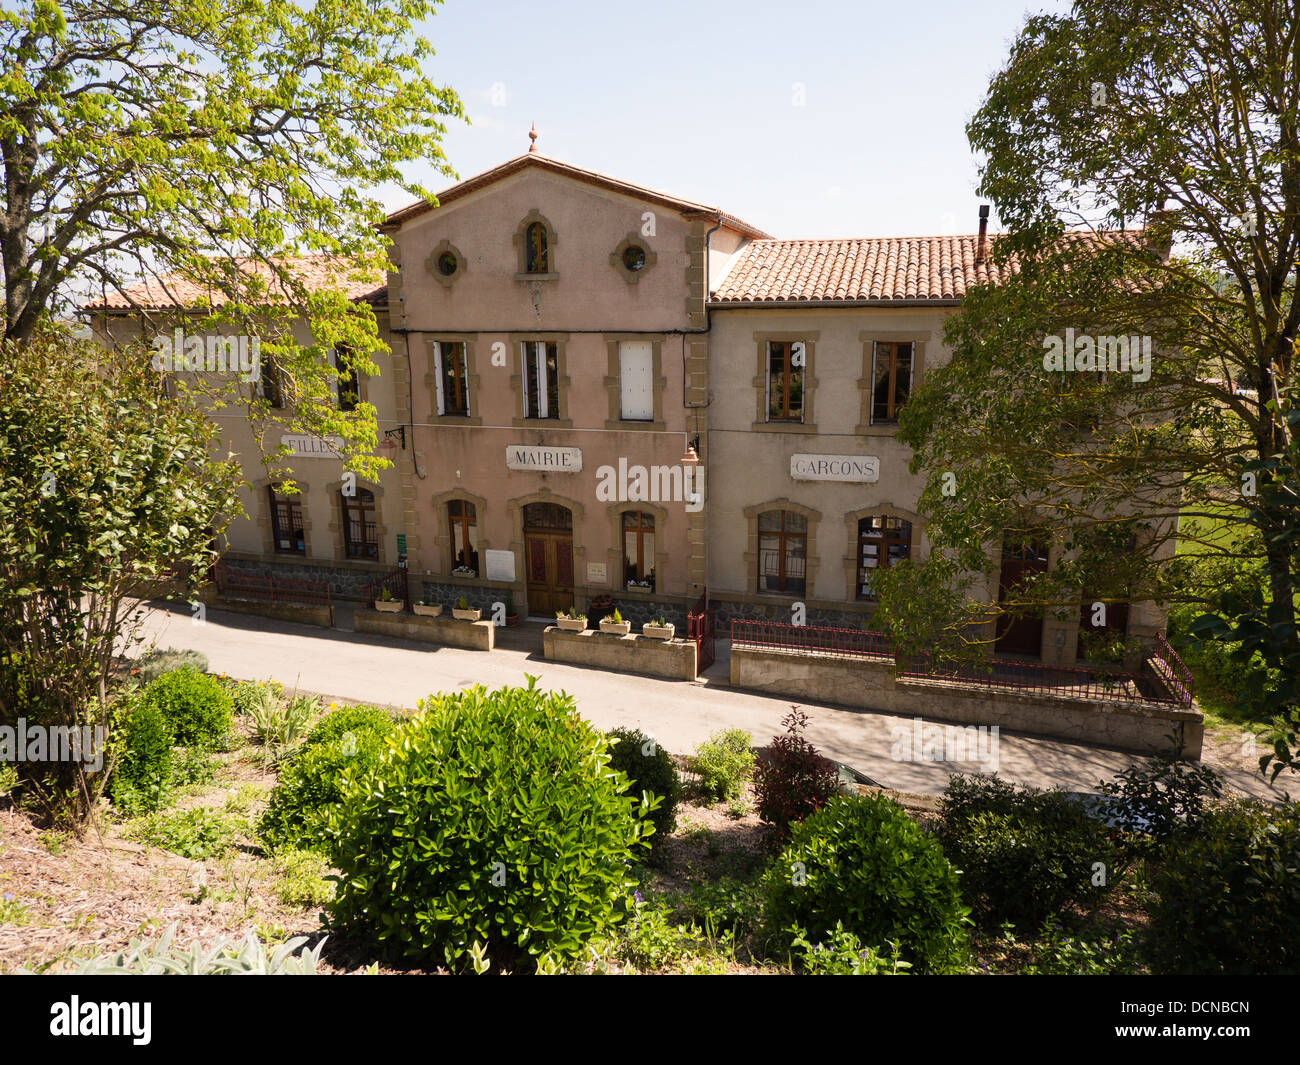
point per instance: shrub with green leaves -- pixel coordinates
(245, 695)
(1024, 855)
(154, 663)
(144, 758)
(839, 953)
(197, 834)
(724, 762)
(1226, 901)
(650, 768)
(862, 865)
(493, 818)
(196, 706)
(311, 782)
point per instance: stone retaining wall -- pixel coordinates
(304, 613)
(674, 659)
(447, 631)
(870, 683)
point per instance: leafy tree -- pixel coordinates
(1179, 116)
(204, 148)
(106, 487)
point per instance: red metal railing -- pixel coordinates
(393, 580)
(777, 634)
(287, 590)
(1030, 677)
(1172, 671)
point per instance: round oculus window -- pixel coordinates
(448, 264)
(634, 258)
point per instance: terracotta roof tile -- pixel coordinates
(856, 270)
(316, 271)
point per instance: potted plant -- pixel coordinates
(572, 621)
(427, 610)
(658, 629)
(512, 615)
(388, 604)
(462, 612)
(615, 625)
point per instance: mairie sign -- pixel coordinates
(856, 469)
(544, 459)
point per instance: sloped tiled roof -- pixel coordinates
(317, 272)
(589, 177)
(867, 269)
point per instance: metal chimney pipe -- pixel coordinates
(984, 229)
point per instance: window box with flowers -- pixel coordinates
(388, 605)
(572, 621)
(427, 610)
(658, 629)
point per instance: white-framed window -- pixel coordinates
(451, 378)
(541, 364)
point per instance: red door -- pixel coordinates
(1020, 632)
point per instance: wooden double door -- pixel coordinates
(1020, 631)
(548, 556)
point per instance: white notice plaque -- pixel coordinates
(854, 469)
(544, 459)
(500, 565)
(596, 573)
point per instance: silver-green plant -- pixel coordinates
(224, 957)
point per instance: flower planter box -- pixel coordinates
(466, 615)
(428, 610)
(572, 624)
(616, 628)
(658, 632)
(390, 606)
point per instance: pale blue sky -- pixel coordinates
(698, 99)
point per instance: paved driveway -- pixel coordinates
(371, 668)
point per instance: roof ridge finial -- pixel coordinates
(532, 136)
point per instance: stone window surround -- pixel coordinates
(267, 526)
(812, 560)
(471, 380)
(761, 424)
(517, 383)
(875, 510)
(632, 240)
(521, 248)
(577, 510)
(335, 491)
(613, 384)
(431, 264)
(868, 339)
(442, 528)
(615, 565)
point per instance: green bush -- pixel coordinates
(144, 758)
(843, 955)
(154, 663)
(195, 705)
(311, 783)
(197, 834)
(359, 718)
(1227, 900)
(861, 865)
(650, 768)
(724, 762)
(1024, 855)
(492, 823)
